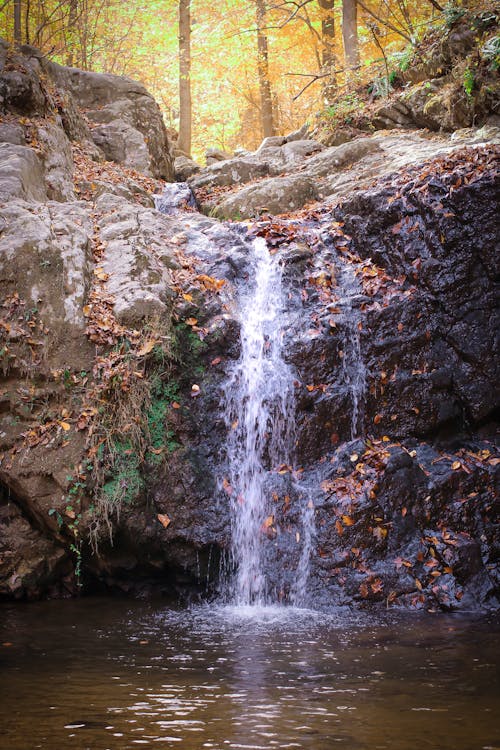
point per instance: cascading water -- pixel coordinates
(259, 404)
(353, 365)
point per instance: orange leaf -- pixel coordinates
(339, 527)
(268, 522)
(65, 425)
(377, 418)
(164, 520)
(347, 520)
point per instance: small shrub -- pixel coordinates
(468, 81)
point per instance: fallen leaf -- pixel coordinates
(65, 425)
(164, 520)
(146, 348)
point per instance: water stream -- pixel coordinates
(259, 410)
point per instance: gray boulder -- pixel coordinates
(21, 174)
(294, 152)
(45, 258)
(213, 155)
(275, 195)
(57, 160)
(126, 122)
(137, 257)
(298, 135)
(232, 172)
(185, 167)
(271, 142)
(336, 157)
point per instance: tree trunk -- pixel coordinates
(17, 22)
(71, 35)
(328, 61)
(350, 33)
(185, 115)
(266, 99)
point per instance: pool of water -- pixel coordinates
(107, 673)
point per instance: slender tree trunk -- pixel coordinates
(17, 22)
(185, 113)
(266, 99)
(71, 33)
(328, 61)
(350, 33)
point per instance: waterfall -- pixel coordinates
(259, 408)
(353, 366)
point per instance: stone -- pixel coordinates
(45, 258)
(122, 143)
(213, 155)
(274, 195)
(21, 174)
(298, 135)
(296, 151)
(21, 89)
(137, 253)
(334, 158)
(57, 160)
(272, 141)
(184, 167)
(12, 132)
(232, 172)
(125, 116)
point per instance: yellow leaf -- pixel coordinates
(456, 465)
(164, 520)
(65, 425)
(146, 348)
(347, 520)
(188, 297)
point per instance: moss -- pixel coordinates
(126, 482)
(163, 393)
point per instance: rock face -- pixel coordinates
(119, 325)
(115, 113)
(306, 176)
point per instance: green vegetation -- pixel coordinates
(468, 81)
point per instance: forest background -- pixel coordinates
(226, 74)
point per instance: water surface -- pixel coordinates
(107, 673)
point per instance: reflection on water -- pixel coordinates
(111, 674)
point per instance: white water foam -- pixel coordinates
(260, 419)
